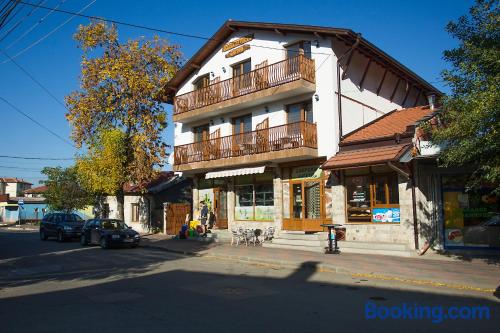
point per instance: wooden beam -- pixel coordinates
(364, 74)
(394, 91)
(406, 95)
(417, 98)
(344, 74)
(381, 82)
(195, 66)
(280, 32)
(318, 35)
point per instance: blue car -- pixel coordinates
(61, 225)
(108, 233)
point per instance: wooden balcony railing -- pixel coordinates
(289, 136)
(276, 74)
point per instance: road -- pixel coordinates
(53, 287)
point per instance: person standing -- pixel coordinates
(204, 217)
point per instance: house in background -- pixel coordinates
(261, 106)
(143, 206)
(14, 187)
(36, 192)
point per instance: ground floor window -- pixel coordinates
(254, 198)
(372, 197)
(471, 217)
(135, 212)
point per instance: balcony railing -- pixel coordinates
(273, 75)
(289, 136)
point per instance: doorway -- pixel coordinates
(306, 205)
(220, 207)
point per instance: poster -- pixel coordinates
(244, 213)
(386, 215)
(264, 213)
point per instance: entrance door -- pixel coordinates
(220, 207)
(306, 205)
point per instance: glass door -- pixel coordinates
(297, 202)
(220, 204)
(306, 208)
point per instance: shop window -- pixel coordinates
(254, 201)
(471, 217)
(373, 198)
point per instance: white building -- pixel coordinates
(261, 106)
(14, 187)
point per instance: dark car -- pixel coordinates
(61, 225)
(108, 233)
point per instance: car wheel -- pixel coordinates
(83, 240)
(60, 236)
(43, 236)
(104, 243)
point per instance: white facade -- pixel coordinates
(142, 224)
(14, 189)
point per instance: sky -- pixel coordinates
(413, 32)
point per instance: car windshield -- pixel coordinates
(72, 218)
(113, 225)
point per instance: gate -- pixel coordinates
(175, 217)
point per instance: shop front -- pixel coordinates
(214, 193)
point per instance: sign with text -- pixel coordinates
(237, 42)
(237, 51)
(386, 215)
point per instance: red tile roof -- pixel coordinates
(37, 190)
(368, 156)
(389, 124)
(13, 180)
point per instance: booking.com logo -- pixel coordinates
(436, 314)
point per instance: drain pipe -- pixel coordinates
(339, 79)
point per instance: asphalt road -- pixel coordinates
(53, 287)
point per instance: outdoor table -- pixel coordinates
(331, 226)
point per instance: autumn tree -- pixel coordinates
(64, 190)
(120, 87)
(471, 113)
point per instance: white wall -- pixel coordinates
(143, 223)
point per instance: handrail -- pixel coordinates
(288, 136)
(285, 71)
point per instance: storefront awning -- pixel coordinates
(235, 172)
(365, 157)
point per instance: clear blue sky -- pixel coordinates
(410, 31)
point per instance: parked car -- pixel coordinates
(108, 233)
(487, 233)
(61, 225)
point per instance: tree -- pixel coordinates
(65, 192)
(121, 89)
(470, 114)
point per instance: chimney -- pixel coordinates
(432, 101)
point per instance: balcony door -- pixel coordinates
(242, 78)
(202, 145)
(242, 134)
(201, 91)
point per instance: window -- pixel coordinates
(300, 112)
(242, 124)
(135, 212)
(373, 198)
(201, 133)
(302, 47)
(201, 82)
(241, 77)
(254, 198)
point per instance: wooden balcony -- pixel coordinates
(289, 77)
(277, 144)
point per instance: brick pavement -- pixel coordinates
(475, 273)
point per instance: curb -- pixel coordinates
(325, 268)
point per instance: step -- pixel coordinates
(316, 249)
(301, 242)
(372, 245)
(301, 236)
(395, 253)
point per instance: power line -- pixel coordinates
(21, 21)
(39, 158)
(34, 79)
(19, 168)
(40, 21)
(139, 26)
(35, 121)
(51, 32)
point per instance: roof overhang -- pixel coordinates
(346, 35)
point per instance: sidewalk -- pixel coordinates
(481, 275)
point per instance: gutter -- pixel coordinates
(339, 87)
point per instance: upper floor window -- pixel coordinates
(295, 49)
(202, 81)
(242, 124)
(201, 133)
(242, 68)
(300, 112)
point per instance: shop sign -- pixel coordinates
(386, 215)
(307, 172)
(237, 51)
(237, 42)
(428, 148)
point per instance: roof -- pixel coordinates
(13, 180)
(346, 35)
(364, 157)
(37, 190)
(397, 121)
(28, 200)
(163, 176)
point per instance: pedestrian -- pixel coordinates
(204, 217)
